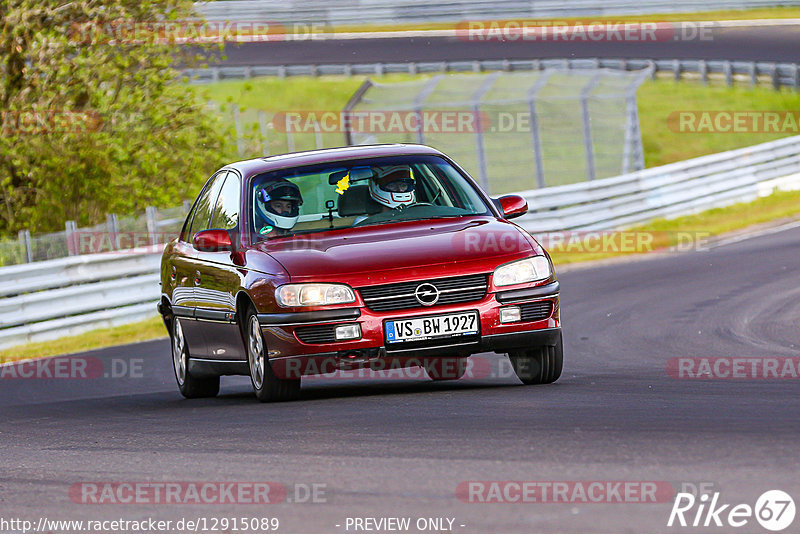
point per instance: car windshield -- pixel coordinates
(358, 193)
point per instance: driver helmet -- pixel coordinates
(393, 186)
(279, 203)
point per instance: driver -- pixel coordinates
(278, 207)
(393, 187)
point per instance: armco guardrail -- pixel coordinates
(750, 72)
(50, 299)
(675, 189)
(405, 11)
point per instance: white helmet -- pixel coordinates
(393, 186)
(279, 190)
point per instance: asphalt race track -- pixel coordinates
(759, 43)
(400, 447)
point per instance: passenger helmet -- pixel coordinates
(393, 186)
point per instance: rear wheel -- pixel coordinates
(445, 368)
(540, 365)
(190, 386)
(267, 386)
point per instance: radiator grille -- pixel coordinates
(402, 296)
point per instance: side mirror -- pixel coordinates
(513, 206)
(212, 241)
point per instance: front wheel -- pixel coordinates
(190, 386)
(540, 365)
(267, 386)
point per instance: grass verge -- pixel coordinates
(94, 339)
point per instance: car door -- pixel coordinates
(220, 280)
(189, 267)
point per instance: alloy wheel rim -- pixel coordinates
(179, 353)
(255, 353)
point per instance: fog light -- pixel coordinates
(348, 331)
(512, 314)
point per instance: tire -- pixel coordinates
(445, 368)
(190, 386)
(266, 385)
(541, 365)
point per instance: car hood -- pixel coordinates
(373, 254)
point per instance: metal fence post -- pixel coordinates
(535, 134)
(151, 216)
(728, 70)
(419, 100)
(262, 126)
(476, 110)
(25, 242)
(237, 123)
(113, 230)
(317, 134)
(289, 135)
(71, 228)
(633, 148)
(587, 126)
(352, 103)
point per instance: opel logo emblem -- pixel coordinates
(427, 294)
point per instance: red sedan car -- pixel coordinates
(374, 257)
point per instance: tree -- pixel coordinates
(93, 120)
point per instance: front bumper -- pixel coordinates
(283, 343)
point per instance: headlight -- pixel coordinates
(519, 272)
(293, 295)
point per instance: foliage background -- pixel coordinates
(149, 141)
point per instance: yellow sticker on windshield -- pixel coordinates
(343, 184)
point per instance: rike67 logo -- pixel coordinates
(774, 510)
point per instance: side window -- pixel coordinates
(226, 213)
(205, 205)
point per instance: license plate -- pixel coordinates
(424, 328)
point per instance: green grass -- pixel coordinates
(658, 99)
(95, 339)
